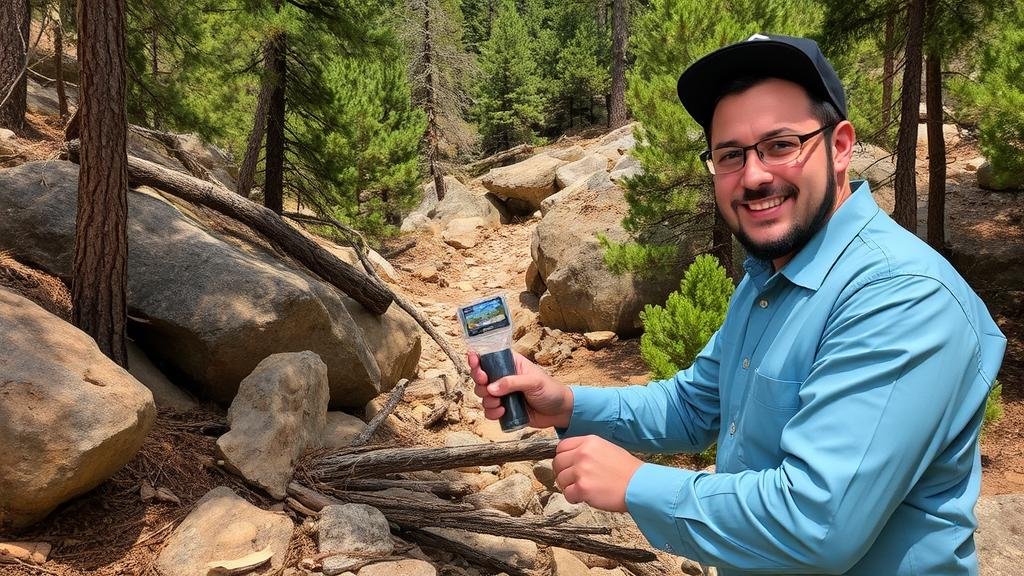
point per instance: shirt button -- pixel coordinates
(763, 303)
(746, 363)
(732, 429)
(668, 547)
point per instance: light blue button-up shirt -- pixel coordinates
(845, 392)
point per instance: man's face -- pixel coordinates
(773, 210)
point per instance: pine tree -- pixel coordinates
(617, 115)
(508, 103)
(581, 76)
(676, 333)
(673, 199)
(14, 45)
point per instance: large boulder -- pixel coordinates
(872, 163)
(208, 309)
(999, 536)
(523, 185)
(217, 161)
(279, 413)
(458, 202)
(69, 417)
(224, 527)
(575, 171)
(582, 294)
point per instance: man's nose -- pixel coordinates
(754, 171)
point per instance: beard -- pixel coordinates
(801, 232)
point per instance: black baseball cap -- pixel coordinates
(798, 60)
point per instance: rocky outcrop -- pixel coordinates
(210, 309)
(582, 294)
(523, 185)
(279, 413)
(224, 527)
(987, 179)
(458, 202)
(69, 417)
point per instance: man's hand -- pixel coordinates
(548, 402)
(593, 470)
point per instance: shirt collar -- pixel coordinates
(812, 263)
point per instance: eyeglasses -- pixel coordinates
(773, 151)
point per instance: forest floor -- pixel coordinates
(112, 531)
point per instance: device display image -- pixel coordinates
(485, 316)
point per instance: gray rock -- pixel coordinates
(582, 294)
(874, 164)
(340, 429)
(544, 473)
(69, 416)
(572, 172)
(222, 527)
(1000, 534)
(557, 504)
(570, 154)
(626, 167)
(513, 495)
(217, 161)
(987, 179)
(458, 202)
(279, 413)
(519, 553)
(210, 309)
(463, 233)
(358, 529)
(529, 182)
(462, 438)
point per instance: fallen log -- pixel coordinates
(409, 513)
(468, 552)
(477, 167)
(372, 294)
(396, 395)
(340, 466)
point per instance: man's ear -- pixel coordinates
(843, 140)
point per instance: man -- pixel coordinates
(846, 387)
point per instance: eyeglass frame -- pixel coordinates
(705, 156)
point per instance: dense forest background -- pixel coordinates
(346, 108)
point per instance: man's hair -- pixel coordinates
(822, 110)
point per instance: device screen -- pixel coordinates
(485, 316)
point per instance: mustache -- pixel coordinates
(766, 191)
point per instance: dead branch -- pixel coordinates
(396, 395)
(368, 291)
(478, 167)
(409, 513)
(173, 145)
(442, 488)
(341, 465)
(470, 553)
(410, 244)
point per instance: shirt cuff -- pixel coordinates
(652, 498)
(594, 411)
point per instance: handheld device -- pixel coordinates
(487, 326)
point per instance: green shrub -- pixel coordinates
(676, 333)
(993, 407)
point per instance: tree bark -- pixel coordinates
(15, 16)
(620, 32)
(433, 133)
(273, 186)
(476, 168)
(470, 553)
(99, 273)
(936, 154)
(888, 69)
(343, 465)
(373, 295)
(247, 172)
(58, 50)
(905, 211)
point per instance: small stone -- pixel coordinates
(600, 339)
(427, 273)
(341, 428)
(407, 567)
(544, 473)
(513, 495)
(355, 528)
(974, 164)
(563, 563)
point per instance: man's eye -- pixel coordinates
(781, 145)
(729, 155)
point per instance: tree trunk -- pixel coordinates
(432, 135)
(936, 154)
(620, 33)
(99, 279)
(373, 295)
(721, 243)
(273, 186)
(905, 212)
(58, 50)
(247, 172)
(15, 16)
(154, 63)
(888, 69)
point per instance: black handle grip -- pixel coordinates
(498, 365)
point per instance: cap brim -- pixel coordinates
(699, 85)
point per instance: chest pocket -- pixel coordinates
(769, 407)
